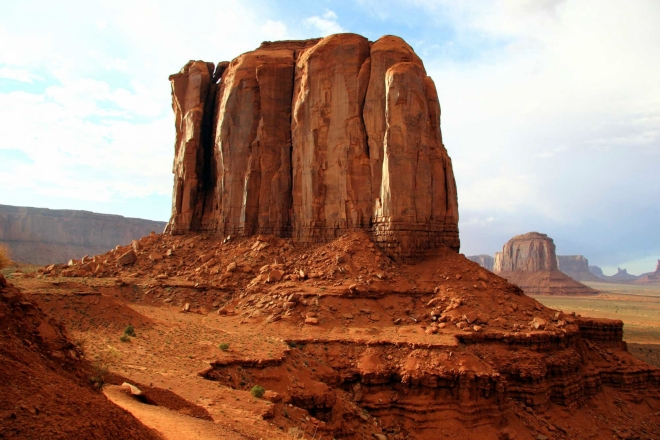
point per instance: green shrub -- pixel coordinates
(224, 346)
(125, 338)
(129, 330)
(257, 391)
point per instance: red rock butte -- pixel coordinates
(530, 261)
(313, 139)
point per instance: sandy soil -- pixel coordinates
(640, 313)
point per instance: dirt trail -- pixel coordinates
(171, 425)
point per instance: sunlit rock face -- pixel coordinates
(531, 252)
(529, 261)
(312, 139)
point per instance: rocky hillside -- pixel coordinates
(46, 385)
(313, 139)
(529, 261)
(42, 236)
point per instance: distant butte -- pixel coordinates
(529, 261)
(313, 139)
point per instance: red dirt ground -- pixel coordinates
(347, 343)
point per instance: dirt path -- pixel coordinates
(171, 425)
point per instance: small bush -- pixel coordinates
(257, 391)
(295, 433)
(98, 379)
(125, 338)
(224, 346)
(129, 330)
(4, 256)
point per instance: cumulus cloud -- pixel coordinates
(98, 126)
(326, 23)
(20, 75)
(565, 92)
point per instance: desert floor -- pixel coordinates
(637, 306)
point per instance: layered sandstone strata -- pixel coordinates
(576, 267)
(312, 139)
(529, 260)
(44, 236)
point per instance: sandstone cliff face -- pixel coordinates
(529, 261)
(485, 261)
(576, 267)
(312, 139)
(529, 252)
(44, 236)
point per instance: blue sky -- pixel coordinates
(551, 108)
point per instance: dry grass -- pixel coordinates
(5, 259)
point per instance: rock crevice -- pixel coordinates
(313, 139)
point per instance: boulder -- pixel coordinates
(155, 256)
(128, 258)
(135, 391)
(275, 275)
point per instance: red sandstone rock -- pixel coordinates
(529, 261)
(529, 252)
(313, 139)
(127, 258)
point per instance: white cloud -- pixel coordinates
(274, 30)
(20, 75)
(326, 24)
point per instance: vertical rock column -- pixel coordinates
(418, 210)
(331, 170)
(253, 144)
(191, 88)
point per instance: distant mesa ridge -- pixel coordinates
(485, 261)
(576, 267)
(45, 236)
(312, 139)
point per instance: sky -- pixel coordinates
(550, 108)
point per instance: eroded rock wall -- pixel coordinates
(45, 236)
(312, 139)
(531, 252)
